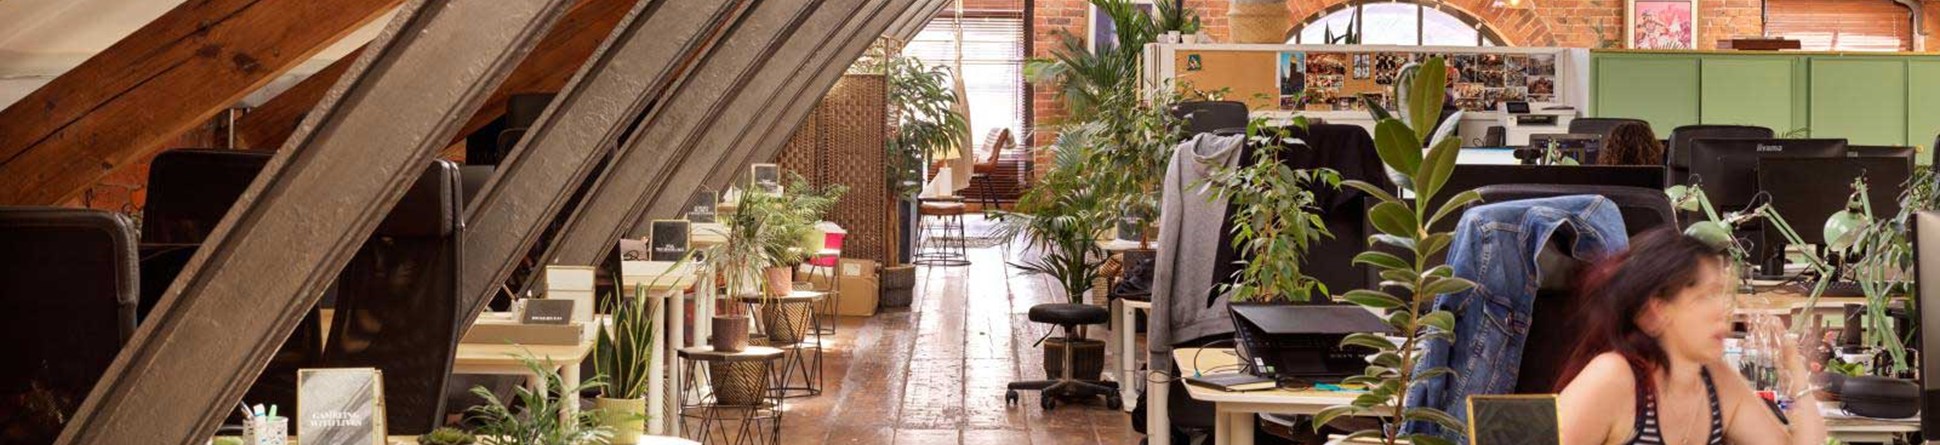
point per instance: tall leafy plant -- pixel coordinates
(1410, 281)
(539, 423)
(1175, 16)
(1085, 79)
(1061, 217)
(1274, 222)
(927, 125)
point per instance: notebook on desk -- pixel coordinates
(1232, 381)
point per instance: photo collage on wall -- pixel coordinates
(1334, 81)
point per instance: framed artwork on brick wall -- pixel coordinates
(1660, 24)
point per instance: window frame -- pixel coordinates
(1485, 35)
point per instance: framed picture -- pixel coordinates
(1104, 31)
(1661, 24)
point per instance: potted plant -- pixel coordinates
(539, 423)
(1178, 22)
(1405, 225)
(1273, 219)
(740, 259)
(620, 353)
(1061, 219)
(447, 436)
(923, 106)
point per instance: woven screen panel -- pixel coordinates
(842, 142)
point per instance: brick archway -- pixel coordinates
(1515, 27)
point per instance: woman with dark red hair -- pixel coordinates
(1650, 367)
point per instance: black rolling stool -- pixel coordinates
(1071, 317)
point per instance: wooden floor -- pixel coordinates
(935, 373)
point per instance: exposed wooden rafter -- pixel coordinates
(658, 145)
(303, 218)
(633, 69)
(546, 69)
(174, 73)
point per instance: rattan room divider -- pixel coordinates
(843, 142)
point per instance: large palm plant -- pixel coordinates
(1062, 216)
(1085, 79)
(927, 124)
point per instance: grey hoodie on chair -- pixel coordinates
(1190, 219)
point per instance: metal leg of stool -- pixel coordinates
(963, 241)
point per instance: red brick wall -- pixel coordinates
(1931, 24)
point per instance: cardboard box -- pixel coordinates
(500, 331)
(572, 283)
(857, 288)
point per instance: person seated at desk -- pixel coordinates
(1650, 367)
(1631, 144)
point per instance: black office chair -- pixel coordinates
(1600, 125)
(397, 302)
(67, 283)
(1551, 331)
(1679, 149)
(1211, 116)
(189, 191)
(1071, 317)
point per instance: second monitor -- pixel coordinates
(1728, 168)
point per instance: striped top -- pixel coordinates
(1648, 430)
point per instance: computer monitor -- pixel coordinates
(1891, 151)
(1583, 147)
(1807, 191)
(1926, 281)
(1728, 168)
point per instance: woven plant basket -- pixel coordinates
(786, 323)
(898, 285)
(738, 383)
(1258, 22)
(1088, 359)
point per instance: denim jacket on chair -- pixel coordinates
(1496, 246)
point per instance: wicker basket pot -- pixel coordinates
(730, 333)
(780, 280)
(1088, 359)
(1258, 21)
(898, 285)
(786, 323)
(738, 383)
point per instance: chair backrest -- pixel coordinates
(1210, 116)
(1600, 125)
(1679, 148)
(67, 284)
(397, 302)
(995, 144)
(190, 190)
(1552, 337)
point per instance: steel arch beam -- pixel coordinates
(644, 160)
(764, 145)
(302, 219)
(633, 68)
(741, 142)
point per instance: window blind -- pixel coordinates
(1841, 25)
(993, 67)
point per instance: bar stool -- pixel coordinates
(942, 233)
(746, 412)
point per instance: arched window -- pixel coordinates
(1397, 23)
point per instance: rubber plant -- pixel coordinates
(1416, 280)
(1273, 219)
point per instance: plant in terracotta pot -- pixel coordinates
(740, 259)
(621, 352)
(1060, 219)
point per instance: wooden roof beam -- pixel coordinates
(303, 218)
(126, 102)
(546, 69)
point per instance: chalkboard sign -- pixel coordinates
(670, 240)
(700, 209)
(1513, 419)
(767, 177)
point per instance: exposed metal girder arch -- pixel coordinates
(738, 142)
(615, 199)
(765, 144)
(303, 218)
(634, 68)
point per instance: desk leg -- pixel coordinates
(1240, 428)
(1122, 329)
(677, 339)
(1158, 418)
(1222, 428)
(569, 375)
(656, 368)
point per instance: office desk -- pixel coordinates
(1125, 335)
(1234, 422)
(490, 359)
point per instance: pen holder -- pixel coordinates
(269, 431)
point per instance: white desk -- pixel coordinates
(1126, 337)
(495, 359)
